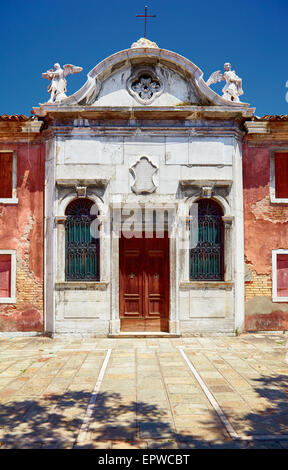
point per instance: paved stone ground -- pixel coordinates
(148, 397)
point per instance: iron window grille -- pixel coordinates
(82, 249)
(207, 258)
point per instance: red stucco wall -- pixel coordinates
(266, 229)
(21, 229)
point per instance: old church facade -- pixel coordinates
(128, 159)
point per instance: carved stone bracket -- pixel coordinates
(207, 191)
(81, 191)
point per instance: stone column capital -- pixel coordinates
(228, 220)
(60, 219)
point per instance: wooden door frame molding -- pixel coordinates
(146, 307)
(115, 287)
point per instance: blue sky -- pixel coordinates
(251, 34)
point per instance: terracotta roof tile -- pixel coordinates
(271, 117)
(16, 117)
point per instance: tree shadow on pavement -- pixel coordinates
(273, 419)
(54, 420)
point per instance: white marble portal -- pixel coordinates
(189, 140)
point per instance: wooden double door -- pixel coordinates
(144, 283)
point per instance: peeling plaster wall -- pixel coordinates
(21, 229)
(266, 229)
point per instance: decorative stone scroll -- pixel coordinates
(143, 172)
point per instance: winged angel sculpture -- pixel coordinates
(233, 88)
(57, 87)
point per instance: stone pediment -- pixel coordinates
(144, 77)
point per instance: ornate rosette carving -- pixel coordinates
(145, 86)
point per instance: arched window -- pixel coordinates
(82, 249)
(207, 258)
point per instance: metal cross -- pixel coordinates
(145, 16)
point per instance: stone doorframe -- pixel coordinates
(174, 327)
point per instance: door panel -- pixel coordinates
(131, 277)
(144, 284)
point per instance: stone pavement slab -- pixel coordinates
(148, 397)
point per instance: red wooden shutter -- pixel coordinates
(282, 275)
(5, 275)
(281, 175)
(6, 163)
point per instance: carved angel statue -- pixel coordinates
(233, 88)
(57, 87)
